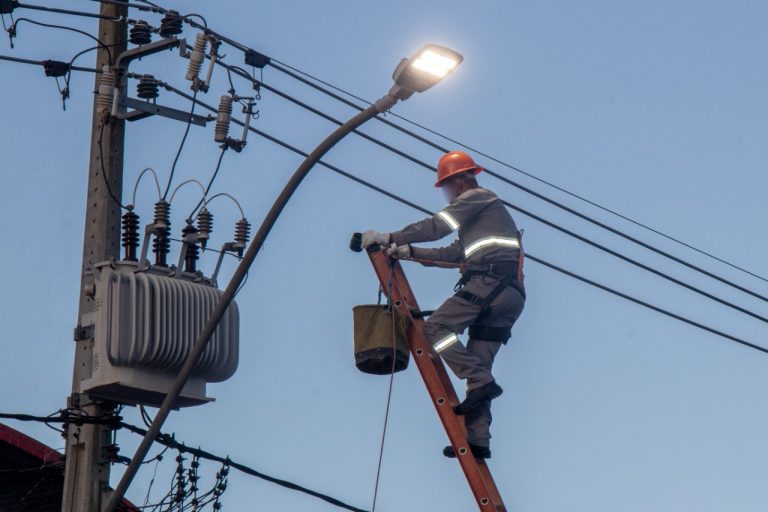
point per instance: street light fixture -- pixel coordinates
(426, 68)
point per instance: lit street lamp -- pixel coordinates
(430, 65)
(415, 74)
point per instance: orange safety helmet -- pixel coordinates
(453, 163)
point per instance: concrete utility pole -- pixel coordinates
(86, 478)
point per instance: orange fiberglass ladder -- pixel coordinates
(439, 387)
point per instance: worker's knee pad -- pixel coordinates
(486, 333)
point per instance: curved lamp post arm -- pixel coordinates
(382, 105)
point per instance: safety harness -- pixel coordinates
(511, 274)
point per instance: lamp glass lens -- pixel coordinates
(440, 60)
(430, 67)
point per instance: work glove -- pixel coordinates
(371, 237)
(399, 251)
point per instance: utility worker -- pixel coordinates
(490, 295)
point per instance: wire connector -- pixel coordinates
(256, 59)
(7, 6)
(55, 68)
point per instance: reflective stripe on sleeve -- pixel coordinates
(445, 343)
(475, 246)
(448, 218)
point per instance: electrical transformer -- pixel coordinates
(145, 322)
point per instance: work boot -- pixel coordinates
(480, 452)
(476, 396)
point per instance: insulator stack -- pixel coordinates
(204, 226)
(196, 57)
(193, 251)
(106, 90)
(242, 235)
(141, 33)
(161, 244)
(171, 24)
(181, 482)
(221, 132)
(148, 88)
(130, 234)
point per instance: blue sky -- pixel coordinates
(656, 109)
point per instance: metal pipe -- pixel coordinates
(382, 105)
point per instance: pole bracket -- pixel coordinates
(142, 109)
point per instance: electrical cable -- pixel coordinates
(167, 440)
(526, 212)
(185, 182)
(66, 92)
(245, 280)
(195, 15)
(392, 312)
(145, 417)
(138, 180)
(13, 30)
(230, 196)
(208, 248)
(64, 11)
(151, 483)
(181, 144)
(224, 148)
(103, 171)
(528, 255)
(145, 8)
(149, 3)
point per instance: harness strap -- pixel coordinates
(470, 297)
(485, 302)
(485, 333)
(486, 311)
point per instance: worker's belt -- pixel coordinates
(504, 270)
(501, 268)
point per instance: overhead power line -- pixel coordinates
(286, 69)
(526, 173)
(528, 255)
(171, 442)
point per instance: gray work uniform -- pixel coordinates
(487, 234)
